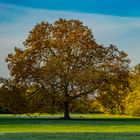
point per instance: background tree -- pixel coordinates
(112, 96)
(2, 82)
(133, 98)
(12, 99)
(84, 105)
(64, 61)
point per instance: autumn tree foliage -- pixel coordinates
(133, 98)
(112, 96)
(63, 62)
(12, 99)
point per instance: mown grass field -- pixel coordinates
(80, 127)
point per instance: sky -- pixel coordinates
(112, 22)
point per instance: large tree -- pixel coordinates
(64, 62)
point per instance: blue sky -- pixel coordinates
(113, 22)
(113, 7)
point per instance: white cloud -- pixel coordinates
(122, 31)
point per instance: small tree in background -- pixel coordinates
(133, 98)
(116, 88)
(12, 98)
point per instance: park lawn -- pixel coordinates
(86, 116)
(81, 127)
(70, 136)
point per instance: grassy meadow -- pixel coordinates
(80, 127)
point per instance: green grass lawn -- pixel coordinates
(70, 136)
(81, 127)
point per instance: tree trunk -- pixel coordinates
(66, 102)
(66, 110)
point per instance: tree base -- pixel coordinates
(64, 118)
